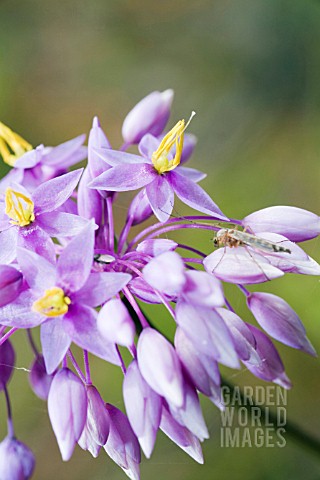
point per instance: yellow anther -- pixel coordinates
(19, 208)
(12, 146)
(53, 303)
(160, 157)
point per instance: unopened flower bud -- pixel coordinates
(16, 460)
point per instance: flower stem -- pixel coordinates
(8, 334)
(9, 421)
(110, 223)
(32, 344)
(294, 432)
(76, 366)
(87, 367)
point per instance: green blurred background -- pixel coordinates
(251, 70)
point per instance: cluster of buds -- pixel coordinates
(64, 269)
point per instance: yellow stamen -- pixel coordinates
(19, 208)
(53, 303)
(12, 146)
(175, 136)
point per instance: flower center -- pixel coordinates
(12, 146)
(19, 208)
(53, 303)
(160, 157)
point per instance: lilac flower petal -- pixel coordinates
(279, 320)
(244, 340)
(19, 313)
(34, 238)
(148, 145)
(294, 223)
(181, 436)
(80, 323)
(141, 289)
(7, 362)
(39, 380)
(149, 115)
(271, 367)
(10, 284)
(75, 262)
(166, 273)
(67, 407)
(203, 289)
(192, 174)
(97, 139)
(86, 442)
(4, 219)
(139, 209)
(202, 370)
(115, 323)
(116, 158)
(240, 265)
(17, 462)
(39, 273)
(160, 366)
(211, 336)
(53, 193)
(98, 421)
(124, 177)
(190, 414)
(60, 224)
(156, 246)
(161, 197)
(30, 159)
(191, 194)
(100, 287)
(122, 445)
(8, 242)
(143, 408)
(62, 155)
(296, 262)
(55, 343)
(89, 200)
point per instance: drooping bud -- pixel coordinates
(160, 366)
(39, 380)
(67, 407)
(122, 444)
(279, 320)
(143, 407)
(7, 361)
(270, 367)
(10, 284)
(96, 431)
(17, 462)
(150, 115)
(115, 323)
(156, 246)
(166, 273)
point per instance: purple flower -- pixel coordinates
(160, 366)
(181, 436)
(32, 167)
(159, 172)
(39, 380)
(143, 406)
(279, 320)
(122, 444)
(62, 297)
(115, 324)
(150, 115)
(270, 367)
(7, 361)
(10, 284)
(294, 223)
(29, 220)
(96, 430)
(17, 462)
(67, 407)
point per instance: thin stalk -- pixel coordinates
(76, 366)
(9, 416)
(135, 307)
(32, 344)
(7, 335)
(110, 223)
(87, 367)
